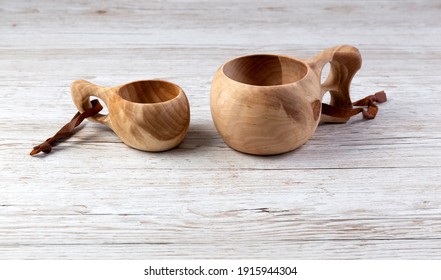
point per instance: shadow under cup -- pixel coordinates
(265, 70)
(148, 92)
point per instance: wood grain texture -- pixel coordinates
(258, 109)
(363, 189)
(149, 115)
(265, 104)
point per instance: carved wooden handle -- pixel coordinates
(82, 91)
(345, 62)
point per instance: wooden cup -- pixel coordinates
(271, 104)
(150, 115)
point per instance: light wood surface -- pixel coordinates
(364, 189)
(268, 104)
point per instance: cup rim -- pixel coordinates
(272, 55)
(181, 91)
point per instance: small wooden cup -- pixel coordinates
(271, 104)
(151, 115)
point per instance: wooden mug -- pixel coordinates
(271, 104)
(151, 115)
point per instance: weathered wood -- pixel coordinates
(375, 194)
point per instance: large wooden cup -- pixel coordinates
(150, 115)
(271, 104)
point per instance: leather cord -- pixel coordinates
(68, 129)
(369, 113)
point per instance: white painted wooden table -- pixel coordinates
(365, 189)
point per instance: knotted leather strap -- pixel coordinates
(369, 101)
(68, 130)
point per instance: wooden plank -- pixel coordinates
(365, 189)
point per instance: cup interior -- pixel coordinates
(265, 70)
(151, 91)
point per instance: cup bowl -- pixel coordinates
(150, 115)
(265, 104)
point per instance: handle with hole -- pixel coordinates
(345, 61)
(82, 91)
